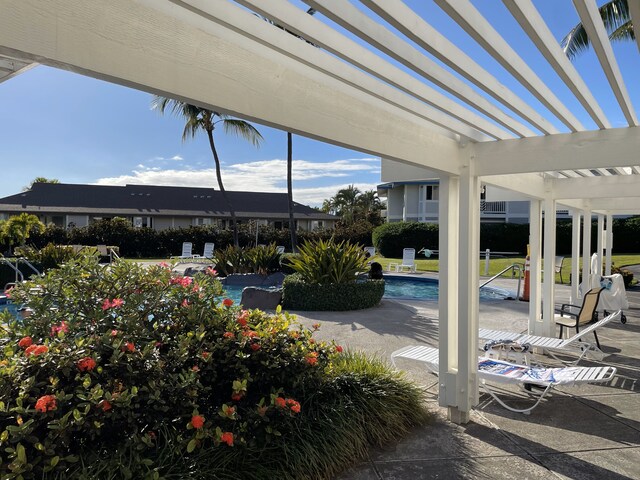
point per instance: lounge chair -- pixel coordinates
(187, 251)
(552, 345)
(498, 371)
(207, 254)
(408, 260)
(581, 315)
(370, 250)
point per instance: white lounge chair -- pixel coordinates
(187, 251)
(207, 254)
(498, 371)
(408, 260)
(552, 345)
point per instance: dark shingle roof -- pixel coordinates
(153, 200)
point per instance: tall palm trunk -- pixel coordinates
(292, 223)
(232, 212)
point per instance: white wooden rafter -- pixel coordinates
(398, 14)
(634, 11)
(366, 28)
(535, 27)
(472, 21)
(592, 23)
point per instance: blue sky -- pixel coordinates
(61, 125)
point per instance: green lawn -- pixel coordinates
(498, 264)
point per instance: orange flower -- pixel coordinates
(228, 335)
(36, 350)
(46, 403)
(227, 410)
(227, 302)
(227, 437)
(339, 349)
(197, 421)
(316, 326)
(280, 402)
(255, 347)
(205, 355)
(236, 396)
(86, 364)
(293, 405)
(105, 405)
(129, 347)
(25, 342)
(311, 358)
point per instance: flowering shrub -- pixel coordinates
(132, 358)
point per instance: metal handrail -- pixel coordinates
(18, 272)
(28, 264)
(516, 267)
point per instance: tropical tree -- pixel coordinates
(18, 229)
(369, 206)
(40, 180)
(352, 205)
(346, 202)
(197, 119)
(617, 21)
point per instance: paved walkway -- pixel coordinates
(592, 432)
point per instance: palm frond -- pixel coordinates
(615, 14)
(623, 32)
(242, 129)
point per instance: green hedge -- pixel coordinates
(390, 238)
(297, 295)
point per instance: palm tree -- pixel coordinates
(40, 180)
(197, 119)
(617, 21)
(345, 202)
(369, 206)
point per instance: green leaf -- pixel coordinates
(55, 460)
(191, 446)
(21, 454)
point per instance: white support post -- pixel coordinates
(448, 297)
(575, 255)
(586, 251)
(600, 243)
(468, 296)
(609, 244)
(404, 203)
(535, 265)
(548, 288)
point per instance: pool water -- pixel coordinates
(401, 288)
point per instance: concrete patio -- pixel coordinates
(592, 432)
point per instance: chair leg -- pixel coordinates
(561, 331)
(595, 334)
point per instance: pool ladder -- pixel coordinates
(16, 267)
(516, 268)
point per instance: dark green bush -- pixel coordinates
(390, 238)
(299, 295)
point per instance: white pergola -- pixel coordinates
(219, 54)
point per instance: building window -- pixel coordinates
(141, 222)
(431, 192)
(199, 221)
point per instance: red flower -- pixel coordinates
(280, 402)
(106, 304)
(211, 271)
(227, 302)
(197, 421)
(25, 342)
(311, 358)
(164, 264)
(36, 350)
(293, 405)
(227, 437)
(228, 335)
(243, 318)
(185, 303)
(105, 405)
(237, 396)
(129, 347)
(255, 347)
(339, 349)
(114, 333)
(86, 364)
(228, 411)
(316, 326)
(250, 334)
(195, 368)
(63, 327)
(46, 403)
(205, 355)
(117, 302)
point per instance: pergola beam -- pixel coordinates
(592, 23)
(365, 27)
(398, 14)
(618, 147)
(535, 27)
(623, 186)
(634, 11)
(167, 55)
(472, 21)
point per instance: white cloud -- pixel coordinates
(262, 176)
(176, 157)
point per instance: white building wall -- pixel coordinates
(77, 220)
(412, 198)
(395, 204)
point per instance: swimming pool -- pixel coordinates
(401, 287)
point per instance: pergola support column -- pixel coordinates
(575, 255)
(548, 289)
(608, 244)
(535, 264)
(459, 314)
(586, 251)
(600, 242)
